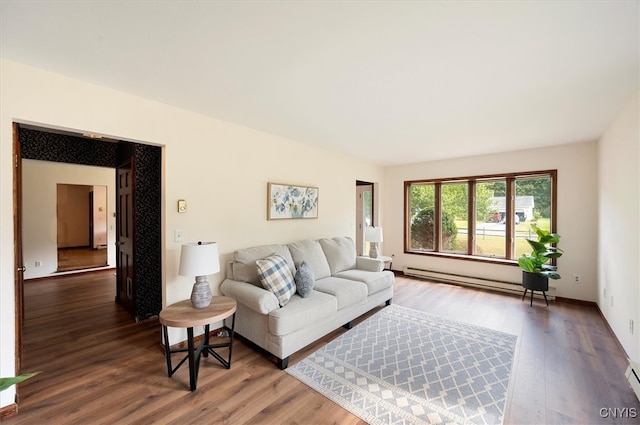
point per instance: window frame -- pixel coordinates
(510, 179)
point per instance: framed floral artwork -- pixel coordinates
(286, 201)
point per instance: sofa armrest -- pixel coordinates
(369, 264)
(257, 299)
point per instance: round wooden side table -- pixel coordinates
(183, 315)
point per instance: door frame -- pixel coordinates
(360, 225)
(18, 243)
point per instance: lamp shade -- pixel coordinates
(199, 259)
(373, 234)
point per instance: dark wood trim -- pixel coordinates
(407, 218)
(510, 195)
(510, 210)
(471, 218)
(437, 217)
(18, 261)
(480, 177)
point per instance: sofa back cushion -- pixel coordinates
(244, 261)
(311, 252)
(340, 253)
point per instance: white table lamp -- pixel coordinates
(200, 260)
(373, 235)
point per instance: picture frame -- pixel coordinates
(287, 201)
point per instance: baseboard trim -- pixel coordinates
(196, 340)
(574, 301)
(8, 411)
(613, 334)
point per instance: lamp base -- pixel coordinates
(373, 249)
(201, 293)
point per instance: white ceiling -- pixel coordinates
(391, 82)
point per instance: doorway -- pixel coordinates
(82, 234)
(364, 213)
(54, 146)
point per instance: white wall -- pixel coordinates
(39, 214)
(576, 222)
(619, 227)
(221, 169)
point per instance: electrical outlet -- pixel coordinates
(631, 326)
(178, 235)
(576, 278)
(38, 263)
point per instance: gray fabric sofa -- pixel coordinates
(345, 287)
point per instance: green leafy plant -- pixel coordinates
(7, 382)
(542, 252)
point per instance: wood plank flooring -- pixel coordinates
(81, 258)
(100, 367)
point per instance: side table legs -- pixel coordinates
(194, 353)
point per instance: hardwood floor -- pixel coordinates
(100, 367)
(81, 258)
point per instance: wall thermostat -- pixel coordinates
(182, 206)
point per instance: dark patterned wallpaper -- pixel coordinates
(55, 147)
(45, 146)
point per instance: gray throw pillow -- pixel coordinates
(276, 277)
(304, 280)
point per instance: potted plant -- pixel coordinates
(7, 382)
(536, 271)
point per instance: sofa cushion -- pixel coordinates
(304, 280)
(340, 253)
(302, 312)
(275, 276)
(347, 292)
(311, 252)
(244, 261)
(375, 281)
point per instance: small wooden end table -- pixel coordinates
(386, 260)
(183, 315)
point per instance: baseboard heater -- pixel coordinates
(477, 282)
(633, 375)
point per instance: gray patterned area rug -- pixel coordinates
(403, 366)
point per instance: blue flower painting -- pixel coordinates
(286, 201)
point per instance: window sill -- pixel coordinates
(464, 257)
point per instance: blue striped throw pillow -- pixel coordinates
(276, 276)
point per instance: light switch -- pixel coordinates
(182, 206)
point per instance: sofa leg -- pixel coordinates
(348, 325)
(283, 363)
(388, 302)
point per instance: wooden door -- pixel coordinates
(17, 243)
(125, 195)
